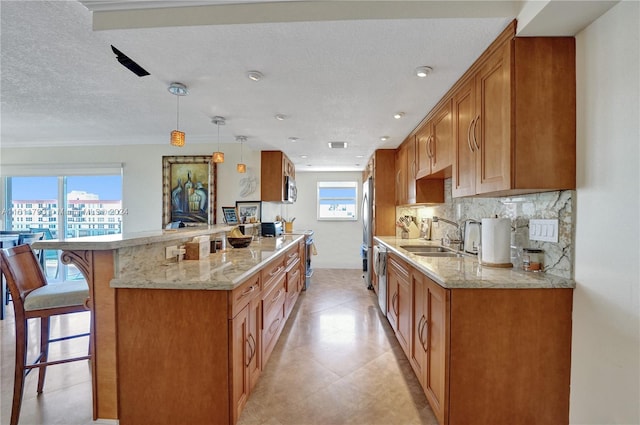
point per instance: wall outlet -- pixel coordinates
(543, 230)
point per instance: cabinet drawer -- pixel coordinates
(272, 301)
(291, 257)
(243, 294)
(271, 273)
(273, 318)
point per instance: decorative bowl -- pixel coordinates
(240, 242)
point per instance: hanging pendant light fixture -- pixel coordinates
(218, 157)
(177, 136)
(241, 167)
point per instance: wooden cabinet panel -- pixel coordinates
(399, 300)
(435, 332)
(418, 344)
(434, 144)
(274, 167)
(402, 190)
(384, 193)
(272, 316)
(514, 118)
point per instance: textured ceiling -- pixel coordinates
(334, 80)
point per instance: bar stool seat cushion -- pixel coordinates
(64, 294)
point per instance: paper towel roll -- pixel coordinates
(496, 241)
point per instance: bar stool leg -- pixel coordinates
(21, 360)
(44, 350)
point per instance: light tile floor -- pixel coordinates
(337, 362)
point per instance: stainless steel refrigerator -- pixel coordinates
(367, 231)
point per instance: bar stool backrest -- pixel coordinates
(22, 271)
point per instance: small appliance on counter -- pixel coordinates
(472, 236)
(271, 228)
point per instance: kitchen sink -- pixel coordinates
(425, 249)
(438, 254)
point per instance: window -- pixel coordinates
(32, 195)
(337, 200)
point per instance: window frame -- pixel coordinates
(337, 184)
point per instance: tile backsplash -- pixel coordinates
(558, 257)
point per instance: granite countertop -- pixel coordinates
(222, 270)
(466, 272)
(128, 239)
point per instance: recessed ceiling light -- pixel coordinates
(337, 145)
(303, 156)
(255, 75)
(280, 117)
(384, 138)
(359, 156)
(293, 139)
(423, 71)
(398, 115)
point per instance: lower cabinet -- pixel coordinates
(487, 355)
(244, 348)
(194, 356)
(399, 300)
(429, 343)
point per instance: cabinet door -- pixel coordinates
(423, 158)
(241, 357)
(418, 344)
(411, 169)
(392, 297)
(435, 333)
(399, 301)
(441, 143)
(464, 165)
(401, 175)
(491, 132)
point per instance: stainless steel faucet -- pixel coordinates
(446, 241)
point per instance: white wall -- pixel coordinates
(337, 242)
(142, 169)
(605, 370)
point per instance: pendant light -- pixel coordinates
(177, 136)
(218, 157)
(241, 167)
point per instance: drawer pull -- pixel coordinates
(276, 271)
(252, 349)
(473, 133)
(247, 291)
(277, 296)
(275, 322)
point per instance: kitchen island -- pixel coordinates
(488, 345)
(179, 315)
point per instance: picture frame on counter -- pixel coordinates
(230, 215)
(189, 192)
(249, 211)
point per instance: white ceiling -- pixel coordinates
(337, 70)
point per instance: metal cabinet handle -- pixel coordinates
(420, 328)
(276, 271)
(274, 299)
(475, 141)
(275, 322)
(252, 349)
(429, 149)
(423, 341)
(247, 291)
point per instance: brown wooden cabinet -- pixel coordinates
(429, 344)
(409, 190)
(487, 355)
(245, 347)
(514, 118)
(399, 300)
(434, 144)
(294, 276)
(275, 166)
(384, 193)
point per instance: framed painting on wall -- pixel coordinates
(249, 211)
(188, 190)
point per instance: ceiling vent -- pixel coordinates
(337, 145)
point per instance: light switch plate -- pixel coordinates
(545, 230)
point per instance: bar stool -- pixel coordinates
(26, 238)
(34, 298)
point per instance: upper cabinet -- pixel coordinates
(408, 189)
(380, 167)
(274, 169)
(514, 119)
(434, 144)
